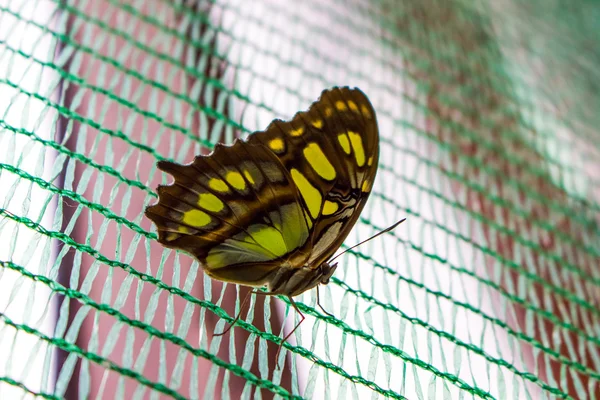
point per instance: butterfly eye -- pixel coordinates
(327, 271)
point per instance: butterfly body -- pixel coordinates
(294, 281)
(273, 209)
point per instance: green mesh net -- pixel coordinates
(488, 112)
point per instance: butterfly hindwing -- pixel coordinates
(234, 209)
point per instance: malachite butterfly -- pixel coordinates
(271, 210)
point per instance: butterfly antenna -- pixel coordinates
(372, 237)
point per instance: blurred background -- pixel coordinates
(488, 114)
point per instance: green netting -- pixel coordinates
(488, 113)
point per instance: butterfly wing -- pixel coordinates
(286, 197)
(331, 152)
(235, 210)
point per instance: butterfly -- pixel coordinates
(271, 210)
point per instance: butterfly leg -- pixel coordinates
(319, 304)
(239, 313)
(293, 330)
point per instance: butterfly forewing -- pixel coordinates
(331, 151)
(286, 198)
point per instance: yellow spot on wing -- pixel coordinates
(196, 218)
(318, 161)
(218, 185)
(344, 142)
(269, 238)
(290, 221)
(261, 243)
(248, 176)
(328, 112)
(357, 147)
(308, 220)
(329, 207)
(365, 111)
(297, 132)
(366, 186)
(340, 105)
(216, 259)
(170, 236)
(210, 202)
(352, 106)
(370, 161)
(312, 197)
(276, 144)
(318, 123)
(236, 180)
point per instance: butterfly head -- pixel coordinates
(316, 276)
(327, 271)
(294, 281)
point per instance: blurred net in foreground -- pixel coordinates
(488, 114)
